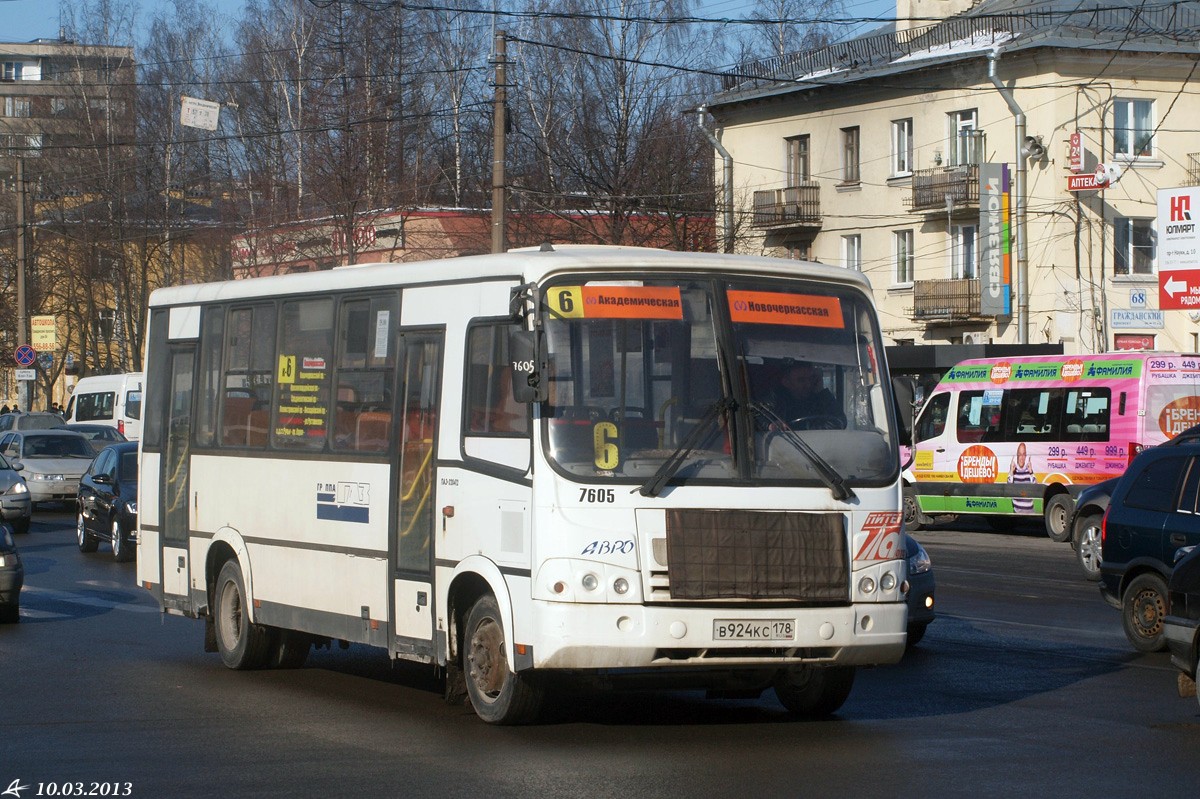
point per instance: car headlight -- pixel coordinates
(919, 562)
(18, 487)
(8, 560)
(131, 507)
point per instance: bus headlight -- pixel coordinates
(866, 585)
(572, 580)
(887, 582)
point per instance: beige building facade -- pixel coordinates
(870, 154)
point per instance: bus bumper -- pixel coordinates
(577, 636)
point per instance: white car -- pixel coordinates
(51, 461)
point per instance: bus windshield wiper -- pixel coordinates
(829, 475)
(654, 486)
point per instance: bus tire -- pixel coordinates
(498, 694)
(1058, 517)
(914, 519)
(241, 643)
(814, 691)
(1144, 605)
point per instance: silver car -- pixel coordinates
(51, 461)
(15, 506)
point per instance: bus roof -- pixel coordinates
(521, 265)
(1120, 355)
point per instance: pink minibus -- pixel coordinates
(1011, 437)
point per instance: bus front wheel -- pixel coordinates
(242, 643)
(498, 694)
(914, 518)
(814, 690)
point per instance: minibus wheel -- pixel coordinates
(242, 643)
(498, 694)
(814, 690)
(914, 519)
(1058, 516)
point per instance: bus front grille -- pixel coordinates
(753, 555)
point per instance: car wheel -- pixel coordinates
(498, 694)
(21, 526)
(914, 519)
(10, 613)
(1058, 515)
(86, 541)
(241, 643)
(814, 690)
(121, 549)
(1143, 607)
(1087, 545)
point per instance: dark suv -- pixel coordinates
(1154, 510)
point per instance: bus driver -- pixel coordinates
(800, 394)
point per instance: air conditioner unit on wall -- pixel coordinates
(977, 337)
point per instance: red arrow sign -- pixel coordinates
(1178, 289)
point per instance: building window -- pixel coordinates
(17, 107)
(852, 252)
(902, 147)
(964, 258)
(964, 137)
(11, 70)
(904, 257)
(1133, 246)
(1133, 128)
(850, 155)
(797, 160)
(798, 250)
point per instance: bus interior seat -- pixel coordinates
(372, 430)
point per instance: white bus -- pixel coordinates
(346, 456)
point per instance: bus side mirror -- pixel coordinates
(528, 364)
(904, 389)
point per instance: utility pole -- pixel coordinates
(499, 120)
(24, 396)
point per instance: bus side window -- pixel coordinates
(972, 417)
(933, 418)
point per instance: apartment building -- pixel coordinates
(874, 154)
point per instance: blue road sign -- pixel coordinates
(25, 355)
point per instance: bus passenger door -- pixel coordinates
(412, 549)
(174, 512)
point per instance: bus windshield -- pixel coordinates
(738, 380)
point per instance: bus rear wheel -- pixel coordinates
(498, 694)
(814, 691)
(241, 643)
(1058, 517)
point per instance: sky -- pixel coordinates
(23, 20)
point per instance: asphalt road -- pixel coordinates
(1024, 684)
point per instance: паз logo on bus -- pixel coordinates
(977, 464)
(1178, 415)
(1072, 370)
(883, 537)
(1001, 372)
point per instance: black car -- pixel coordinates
(12, 577)
(920, 590)
(1154, 511)
(1182, 627)
(107, 501)
(1090, 506)
(1085, 525)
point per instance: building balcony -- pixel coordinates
(796, 206)
(947, 301)
(933, 189)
